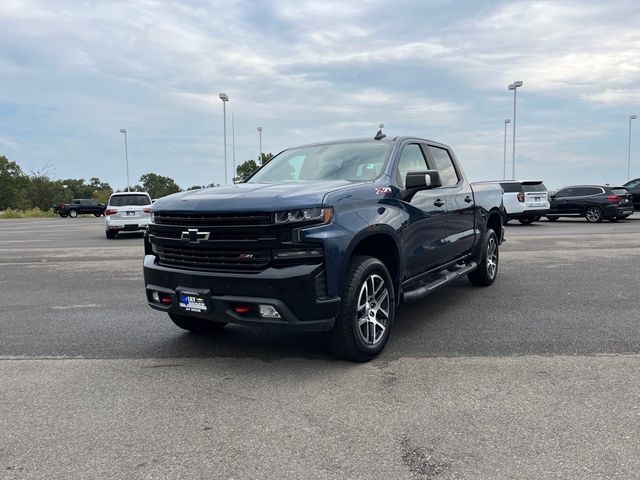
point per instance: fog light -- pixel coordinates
(268, 311)
(156, 297)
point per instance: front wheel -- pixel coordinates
(73, 213)
(196, 325)
(487, 270)
(63, 215)
(97, 214)
(526, 220)
(363, 326)
(593, 214)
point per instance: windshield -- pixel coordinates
(357, 162)
(122, 200)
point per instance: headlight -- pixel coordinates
(317, 215)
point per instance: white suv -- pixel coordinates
(525, 201)
(127, 211)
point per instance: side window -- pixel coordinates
(76, 202)
(633, 185)
(411, 160)
(444, 165)
(567, 192)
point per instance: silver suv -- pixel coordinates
(127, 211)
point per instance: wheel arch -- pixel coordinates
(383, 245)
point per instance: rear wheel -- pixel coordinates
(363, 326)
(593, 214)
(487, 270)
(97, 214)
(110, 234)
(196, 325)
(527, 220)
(73, 213)
(552, 219)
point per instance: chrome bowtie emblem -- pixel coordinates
(194, 236)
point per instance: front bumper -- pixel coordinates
(292, 290)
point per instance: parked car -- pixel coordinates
(126, 212)
(525, 201)
(79, 206)
(325, 237)
(594, 202)
(633, 187)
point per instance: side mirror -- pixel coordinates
(423, 180)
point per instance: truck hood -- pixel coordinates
(251, 197)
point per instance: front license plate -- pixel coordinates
(191, 302)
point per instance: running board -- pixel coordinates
(424, 290)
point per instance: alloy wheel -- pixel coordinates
(373, 309)
(492, 258)
(593, 214)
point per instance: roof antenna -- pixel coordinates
(379, 134)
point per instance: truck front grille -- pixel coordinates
(193, 258)
(225, 242)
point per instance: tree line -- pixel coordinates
(20, 190)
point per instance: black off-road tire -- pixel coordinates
(110, 234)
(196, 325)
(487, 270)
(346, 340)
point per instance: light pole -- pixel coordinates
(233, 145)
(514, 86)
(631, 117)
(126, 154)
(225, 98)
(260, 135)
(504, 167)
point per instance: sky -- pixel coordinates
(73, 73)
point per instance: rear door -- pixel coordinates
(423, 236)
(133, 206)
(535, 195)
(459, 200)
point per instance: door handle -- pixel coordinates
(468, 199)
(438, 203)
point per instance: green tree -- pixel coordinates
(158, 186)
(12, 184)
(42, 192)
(244, 170)
(265, 158)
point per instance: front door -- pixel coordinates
(424, 232)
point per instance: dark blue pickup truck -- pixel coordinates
(326, 237)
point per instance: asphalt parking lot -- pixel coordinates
(534, 377)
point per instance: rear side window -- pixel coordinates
(511, 187)
(122, 200)
(444, 165)
(591, 191)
